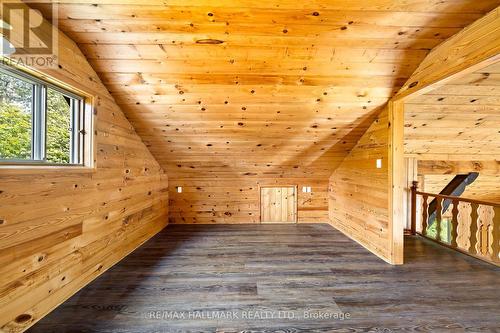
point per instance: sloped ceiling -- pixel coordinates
(240, 87)
(458, 121)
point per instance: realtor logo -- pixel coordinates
(27, 38)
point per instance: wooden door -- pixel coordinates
(278, 204)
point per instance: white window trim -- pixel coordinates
(81, 155)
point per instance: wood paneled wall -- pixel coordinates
(472, 49)
(485, 187)
(435, 175)
(232, 93)
(428, 167)
(358, 191)
(236, 200)
(457, 121)
(61, 228)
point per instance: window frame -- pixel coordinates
(81, 144)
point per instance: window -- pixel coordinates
(40, 123)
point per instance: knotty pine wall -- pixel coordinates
(435, 175)
(484, 188)
(61, 228)
(458, 121)
(280, 88)
(236, 200)
(358, 191)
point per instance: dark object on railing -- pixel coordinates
(455, 188)
(414, 189)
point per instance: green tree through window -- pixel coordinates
(16, 97)
(58, 127)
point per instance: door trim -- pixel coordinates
(295, 215)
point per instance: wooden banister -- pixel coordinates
(495, 233)
(439, 212)
(473, 226)
(425, 217)
(473, 229)
(454, 223)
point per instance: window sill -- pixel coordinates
(6, 168)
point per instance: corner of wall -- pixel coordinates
(359, 191)
(62, 229)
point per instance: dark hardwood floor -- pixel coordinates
(284, 271)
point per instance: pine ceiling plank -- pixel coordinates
(244, 52)
(291, 30)
(250, 78)
(253, 15)
(191, 39)
(457, 120)
(377, 5)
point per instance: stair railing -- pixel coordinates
(466, 225)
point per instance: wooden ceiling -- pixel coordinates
(266, 88)
(458, 121)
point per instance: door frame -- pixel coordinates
(296, 201)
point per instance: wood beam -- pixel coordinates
(438, 167)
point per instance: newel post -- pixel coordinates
(414, 188)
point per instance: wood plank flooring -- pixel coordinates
(284, 271)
